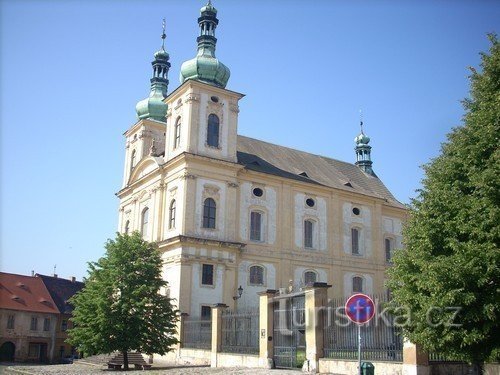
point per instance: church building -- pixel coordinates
(233, 215)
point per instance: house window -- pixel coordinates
(213, 131)
(127, 226)
(177, 133)
(171, 218)
(256, 275)
(255, 226)
(46, 324)
(355, 241)
(144, 221)
(34, 323)
(209, 209)
(206, 312)
(388, 249)
(34, 350)
(64, 325)
(357, 284)
(310, 277)
(308, 233)
(132, 160)
(10, 322)
(207, 276)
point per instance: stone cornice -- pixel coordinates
(202, 241)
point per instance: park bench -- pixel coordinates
(135, 359)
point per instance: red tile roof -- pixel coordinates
(26, 293)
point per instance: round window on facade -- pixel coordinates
(356, 211)
(258, 192)
(214, 99)
(310, 202)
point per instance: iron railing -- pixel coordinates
(240, 332)
(381, 339)
(197, 333)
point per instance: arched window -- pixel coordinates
(256, 275)
(355, 241)
(388, 249)
(127, 226)
(255, 226)
(171, 217)
(209, 210)
(213, 131)
(308, 233)
(357, 284)
(177, 133)
(132, 160)
(144, 221)
(310, 277)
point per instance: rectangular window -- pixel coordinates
(355, 241)
(207, 277)
(206, 312)
(308, 233)
(357, 284)
(34, 323)
(10, 322)
(255, 226)
(34, 350)
(46, 324)
(388, 249)
(64, 325)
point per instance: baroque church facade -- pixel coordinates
(231, 212)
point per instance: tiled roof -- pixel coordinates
(61, 291)
(285, 162)
(25, 293)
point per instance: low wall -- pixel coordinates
(185, 356)
(343, 367)
(444, 368)
(237, 360)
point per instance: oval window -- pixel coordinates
(214, 99)
(258, 192)
(310, 202)
(356, 211)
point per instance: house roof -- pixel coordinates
(285, 162)
(25, 293)
(61, 291)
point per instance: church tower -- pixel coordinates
(147, 136)
(363, 152)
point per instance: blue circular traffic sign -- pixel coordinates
(359, 308)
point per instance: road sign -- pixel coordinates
(360, 308)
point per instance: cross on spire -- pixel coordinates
(163, 35)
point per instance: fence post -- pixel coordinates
(180, 331)
(216, 331)
(415, 361)
(316, 300)
(266, 328)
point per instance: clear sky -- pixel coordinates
(72, 72)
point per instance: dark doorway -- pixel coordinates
(7, 351)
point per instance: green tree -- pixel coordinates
(121, 307)
(449, 273)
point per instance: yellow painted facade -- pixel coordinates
(180, 165)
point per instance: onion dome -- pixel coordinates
(154, 107)
(362, 138)
(363, 152)
(205, 67)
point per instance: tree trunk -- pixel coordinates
(125, 360)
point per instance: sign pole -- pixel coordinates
(359, 349)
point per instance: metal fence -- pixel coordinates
(381, 340)
(197, 333)
(439, 358)
(240, 332)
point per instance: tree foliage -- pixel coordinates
(453, 232)
(121, 307)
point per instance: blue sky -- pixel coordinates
(72, 72)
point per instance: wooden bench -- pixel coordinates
(135, 359)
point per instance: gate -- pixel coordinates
(289, 330)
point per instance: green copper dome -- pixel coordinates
(153, 106)
(362, 139)
(205, 67)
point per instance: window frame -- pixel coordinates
(64, 325)
(203, 277)
(172, 210)
(308, 272)
(133, 161)
(144, 221)
(251, 276)
(354, 286)
(213, 130)
(177, 133)
(258, 230)
(34, 324)
(309, 225)
(356, 241)
(126, 230)
(205, 316)
(11, 321)
(388, 252)
(209, 219)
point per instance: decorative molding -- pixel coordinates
(187, 176)
(178, 104)
(172, 192)
(203, 241)
(233, 184)
(234, 108)
(192, 98)
(169, 112)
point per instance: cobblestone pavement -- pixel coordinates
(83, 369)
